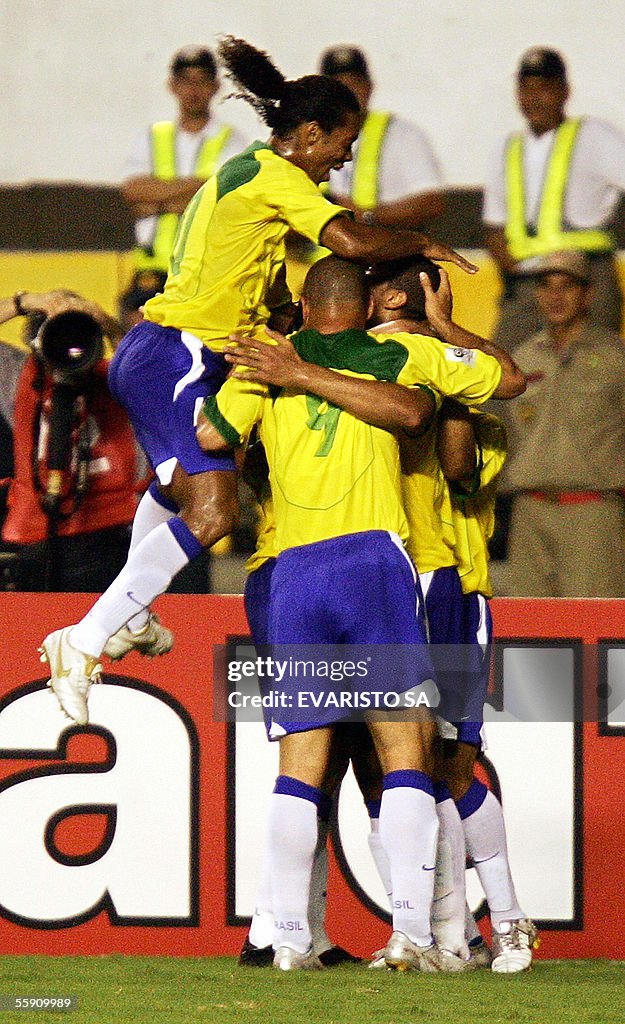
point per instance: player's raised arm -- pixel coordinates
(366, 243)
(437, 306)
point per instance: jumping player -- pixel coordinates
(223, 277)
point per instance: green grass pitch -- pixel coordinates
(172, 990)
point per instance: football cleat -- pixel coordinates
(255, 956)
(435, 959)
(378, 962)
(401, 954)
(336, 955)
(287, 959)
(481, 955)
(153, 640)
(512, 949)
(71, 674)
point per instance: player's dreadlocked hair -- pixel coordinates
(283, 104)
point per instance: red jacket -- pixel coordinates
(110, 499)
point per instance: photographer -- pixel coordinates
(72, 495)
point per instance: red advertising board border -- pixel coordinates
(186, 674)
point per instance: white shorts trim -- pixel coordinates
(194, 346)
(165, 471)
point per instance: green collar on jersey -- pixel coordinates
(353, 350)
(238, 170)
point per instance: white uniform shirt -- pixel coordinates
(596, 180)
(408, 165)
(188, 145)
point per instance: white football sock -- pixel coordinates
(148, 572)
(409, 831)
(292, 842)
(150, 513)
(485, 837)
(449, 885)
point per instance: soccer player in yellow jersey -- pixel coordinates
(398, 301)
(223, 275)
(472, 449)
(342, 576)
(312, 512)
(449, 531)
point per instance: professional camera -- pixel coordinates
(70, 344)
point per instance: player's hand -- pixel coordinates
(438, 304)
(437, 251)
(273, 363)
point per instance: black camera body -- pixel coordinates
(70, 344)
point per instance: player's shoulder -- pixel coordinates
(243, 168)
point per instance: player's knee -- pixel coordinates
(209, 506)
(221, 521)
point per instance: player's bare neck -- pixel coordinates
(405, 326)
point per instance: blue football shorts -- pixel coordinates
(161, 376)
(353, 598)
(460, 632)
(256, 597)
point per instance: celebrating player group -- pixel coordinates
(357, 413)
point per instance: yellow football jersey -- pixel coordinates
(466, 374)
(266, 546)
(230, 245)
(474, 511)
(427, 502)
(469, 376)
(330, 473)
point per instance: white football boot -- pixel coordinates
(512, 948)
(401, 954)
(153, 640)
(71, 674)
(287, 959)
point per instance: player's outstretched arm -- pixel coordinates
(366, 243)
(437, 311)
(389, 406)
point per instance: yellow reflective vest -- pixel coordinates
(550, 233)
(366, 173)
(163, 137)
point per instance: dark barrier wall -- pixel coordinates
(74, 216)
